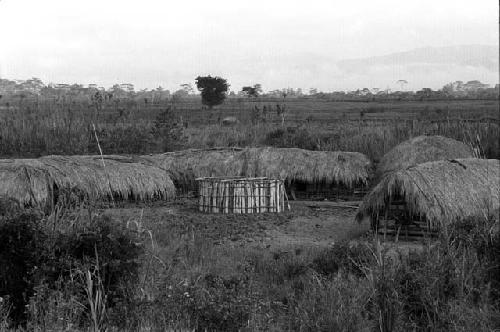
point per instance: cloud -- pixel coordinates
(277, 44)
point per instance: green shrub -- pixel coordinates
(21, 242)
(343, 258)
(209, 303)
(292, 138)
(43, 270)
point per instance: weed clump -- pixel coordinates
(46, 273)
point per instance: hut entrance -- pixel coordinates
(301, 190)
(241, 195)
(398, 222)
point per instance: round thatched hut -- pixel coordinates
(40, 182)
(422, 149)
(305, 173)
(427, 197)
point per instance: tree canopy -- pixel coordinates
(252, 91)
(213, 90)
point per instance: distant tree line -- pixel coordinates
(214, 90)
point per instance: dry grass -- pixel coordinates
(442, 191)
(32, 128)
(288, 164)
(25, 183)
(422, 149)
(292, 164)
(39, 182)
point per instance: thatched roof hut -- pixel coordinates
(422, 149)
(38, 182)
(292, 164)
(288, 164)
(440, 191)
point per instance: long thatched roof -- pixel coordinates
(422, 149)
(186, 165)
(292, 164)
(442, 191)
(289, 164)
(25, 183)
(36, 181)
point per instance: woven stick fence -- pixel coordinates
(241, 195)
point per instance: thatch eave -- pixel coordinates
(442, 191)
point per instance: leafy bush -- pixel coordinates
(292, 138)
(21, 242)
(458, 276)
(343, 258)
(44, 270)
(130, 139)
(209, 303)
(168, 130)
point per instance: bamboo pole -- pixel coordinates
(237, 203)
(278, 192)
(240, 198)
(214, 196)
(283, 196)
(250, 192)
(205, 197)
(243, 196)
(255, 194)
(217, 196)
(263, 193)
(226, 197)
(200, 198)
(272, 197)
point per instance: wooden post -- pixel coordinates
(226, 196)
(385, 223)
(256, 196)
(237, 193)
(200, 202)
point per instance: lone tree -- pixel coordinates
(213, 90)
(402, 83)
(252, 91)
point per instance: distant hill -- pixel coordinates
(429, 66)
(485, 56)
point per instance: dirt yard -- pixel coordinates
(306, 225)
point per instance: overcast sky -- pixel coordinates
(275, 43)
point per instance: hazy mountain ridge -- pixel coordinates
(422, 67)
(485, 56)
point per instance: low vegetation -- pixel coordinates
(88, 271)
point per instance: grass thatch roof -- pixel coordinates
(25, 183)
(422, 149)
(289, 164)
(33, 181)
(442, 191)
(186, 165)
(292, 164)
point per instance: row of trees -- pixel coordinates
(215, 89)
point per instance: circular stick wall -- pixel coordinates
(241, 195)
